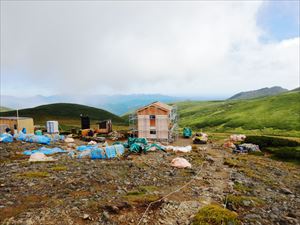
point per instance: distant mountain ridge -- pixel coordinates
(263, 92)
(117, 104)
(65, 113)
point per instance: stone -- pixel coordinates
(246, 203)
(86, 216)
(286, 191)
(105, 215)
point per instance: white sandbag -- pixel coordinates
(237, 137)
(92, 143)
(178, 148)
(182, 149)
(69, 140)
(204, 135)
(180, 163)
(40, 157)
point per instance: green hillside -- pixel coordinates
(263, 92)
(4, 109)
(275, 113)
(65, 113)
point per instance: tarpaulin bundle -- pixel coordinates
(136, 147)
(44, 150)
(6, 138)
(41, 139)
(33, 138)
(154, 146)
(86, 147)
(246, 147)
(187, 132)
(95, 152)
(137, 140)
(55, 137)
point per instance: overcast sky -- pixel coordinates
(194, 48)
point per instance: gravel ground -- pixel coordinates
(118, 191)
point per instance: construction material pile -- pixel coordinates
(98, 152)
(246, 148)
(138, 145)
(187, 132)
(200, 138)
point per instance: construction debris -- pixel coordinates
(96, 152)
(200, 138)
(115, 135)
(246, 148)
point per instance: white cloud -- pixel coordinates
(195, 48)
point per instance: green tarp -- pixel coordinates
(187, 132)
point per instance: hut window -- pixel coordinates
(152, 131)
(102, 125)
(152, 117)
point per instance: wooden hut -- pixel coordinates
(156, 121)
(105, 127)
(17, 123)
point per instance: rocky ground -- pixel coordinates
(73, 191)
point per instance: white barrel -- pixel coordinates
(52, 127)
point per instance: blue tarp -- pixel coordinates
(5, 138)
(86, 147)
(46, 151)
(41, 139)
(94, 152)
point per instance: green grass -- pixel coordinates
(34, 174)
(214, 215)
(66, 114)
(273, 115)
(240, 201)
(285, 153)
(4, 109)
(59, 168)
(280, 148)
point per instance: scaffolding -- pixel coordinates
(172, 126)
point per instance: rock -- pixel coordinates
(105, 215)
(86, 216)
(253, 217)
(286, 191)
(210, 159)
(246, 203)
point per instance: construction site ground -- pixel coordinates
(118, 191)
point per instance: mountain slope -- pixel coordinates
(118, 104)
(277, 112)
(258, 93)
(65, 113)
(4, 109)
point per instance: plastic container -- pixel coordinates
(52, 127)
